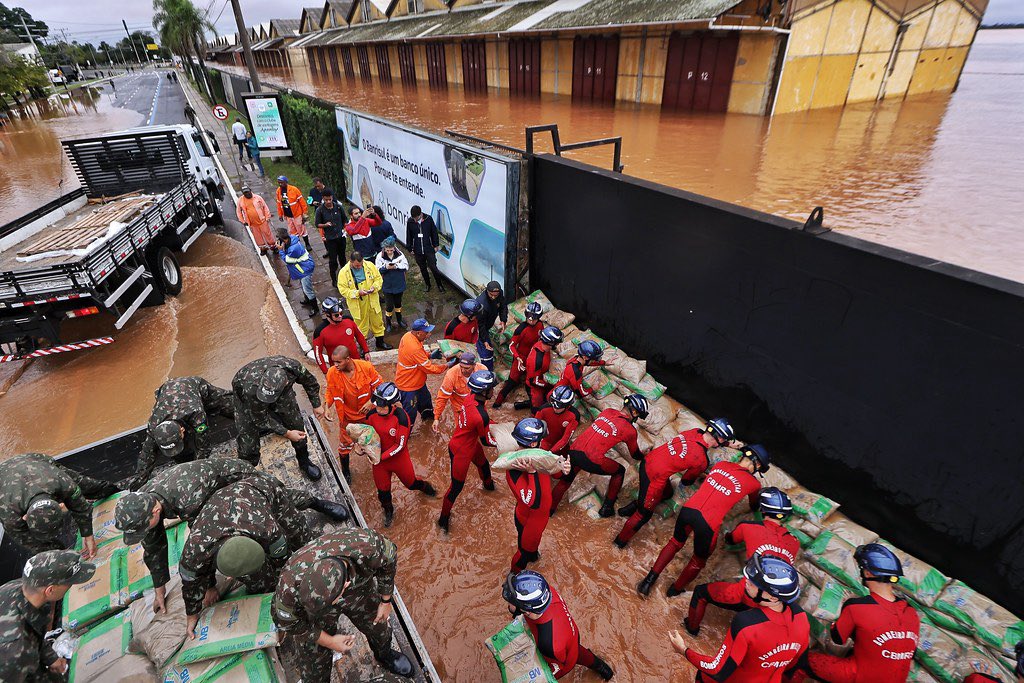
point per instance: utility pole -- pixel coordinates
(243, 37)
(132, 42)
(31, 39)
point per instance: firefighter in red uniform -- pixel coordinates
(987, 677)
(726, 484)
(537, 364)
(589, 452)
(464, 327)
(532, 490)
(686, 453)
(588, 354)
(523, 339)
(550, 624)
(560, 418)
(767, 538)
(763, 644)
(337, 331)
(468, 439)
(883, 626)
(391, 423)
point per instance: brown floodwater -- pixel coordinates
(937, 174)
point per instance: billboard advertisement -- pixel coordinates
(466, 190)
(264, 112)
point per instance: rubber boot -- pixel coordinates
(398, 318)
(627, 510)
(602, 669)
(607, 508)
(521, 405)
(397, 663)
(308, 468)
(387, 506)
(309, 247)
(443, 522)
(328, 508)
(425, 488)
(645, 586)
(387, 324)
(383, 345)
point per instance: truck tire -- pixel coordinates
(167, 272)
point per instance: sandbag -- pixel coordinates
(722, 454)
(502, 435)
(232, 626)
(623, 366)
(158, 636)
(822, 606)
(450, 347)
(920, 580)
(136, 578)
(993, 625)
(803, 530)
(502, 375)
(848, 530)
(131, 668)
(811, 505)
(598, 384)
(256, 666)
(87, 602)
(686, 419)
(940, 653)
(810, 571)
(590, 503)
(196, 672)
(566, 350)
(919, 674)
(660, 414)
(778, 478)
(516, 655)
(103, 529)
(835, 556)
(583, 335)
(538, 458)
(601, 404)
(99, 647)
(648, 387)
(558, 318)
(365, 440)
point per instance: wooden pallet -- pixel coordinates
(88, 228)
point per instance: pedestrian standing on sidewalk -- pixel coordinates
(300, 266)
(291, 208)
(239, 133)
(254, 213)
(360, 282)
(421, 237)
(392, 264)
(330, 221)
(253, 148)
(316, 193)
(360, 229)
(493, 311)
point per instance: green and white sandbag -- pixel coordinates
(99, 648)
(810, 505)
(232, 626)
(920, 580)
(835, 557)
(536, 458)
(993, 625)
(516, 655)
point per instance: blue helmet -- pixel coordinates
(551, 335)
(639, 404)
(534, 310)
(759, 454)
(721, 429)
(774, 576)
(470, 308)
(331, 305)
(385, 394)
(562, 396)
(590, 349)
(529, 431)
(775, 504)
(481, 381)
(527, 591)
(880, 561)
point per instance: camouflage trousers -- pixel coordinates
(361, 609)
(287, 412)
(18, 531)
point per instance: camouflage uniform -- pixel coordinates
(372, 560)
(187, 401)
(253, 416)
(257, 507)
(24, 477)
(24, 655)
(183, 491)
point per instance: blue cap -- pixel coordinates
(421, 325)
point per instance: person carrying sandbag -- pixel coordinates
(560, 418)
(391, 423)
(537, 364)
(454, 387)
(464, 327)
(523, 339)
(588, 355)
(350, 384)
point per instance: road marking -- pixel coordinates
(152, 109)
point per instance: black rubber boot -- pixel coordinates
(425, 488)
(691, 631)
(645, 586)
(607, 509)
(602, 669)
(619, 543)
(328, 508)
(398, 319)
(443, 522)
(383, 345)
(309, 469)
(389, 517)
(627, 510)
(489, 485)
(387, 324)
(397, 663)
(389, 509)
(346, 472)
(673, 591)
(427, 414)
(521, 405)
(309, 247)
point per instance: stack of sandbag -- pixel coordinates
(102, 654)
(515, 653)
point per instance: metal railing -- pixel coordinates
(556, 142)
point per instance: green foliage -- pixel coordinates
(217, 83)
(313, 136)
(10, 20)
(18, 75)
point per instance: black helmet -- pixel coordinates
(534, 310)
(470, 308)
(590, 349)
(774, 576)
(880, 561)
(759, 454)
(386, 394)
(330, 305)
(639, 404)
(775, 503)
(529, 430)
(721, 429)
(551, 335)
(528, 591)
(562, 396)
(481, 381)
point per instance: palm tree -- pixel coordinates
(182, 27)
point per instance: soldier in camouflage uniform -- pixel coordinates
(350, 572)
(178, 426)
(32, 489)
(264, 401)
(180, 492)
(26, 609)
(256, 510)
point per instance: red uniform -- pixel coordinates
(558, 639)
(347, 334)
(768, 538)
(466, 446)
(523, 339)
(572, 376)
(589, 452)
(981, 678)
(537, 364)
(560, 427)
(393, 430)
(884, 640)
(761, 647)
(686, 453)
(533, 509)
(726, 484)
(456, 330)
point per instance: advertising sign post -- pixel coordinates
(264, 112)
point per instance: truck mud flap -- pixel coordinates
(134, 307)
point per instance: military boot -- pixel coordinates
(645, 586)
(627, 510)
(397, 663)
(308, 468)
(383, 345)
(328, 508)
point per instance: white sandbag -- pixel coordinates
(529, 459)
(501, 432)
(129, 668)
(365, 441)
(158, 636)
(559, 319)
(923, 582)
(687, 419)
(661, 413)
(779, 478)
(620, 364)
(994, 625)
(232, 626)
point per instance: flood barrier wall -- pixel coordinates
(885, 380)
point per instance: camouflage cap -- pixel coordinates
(57, 568)
(131, 515)
(273, 384)
(167, 435)
(240, 556)
(322, 584)
(44, 516)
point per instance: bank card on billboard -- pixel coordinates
(464, 189)
(265, 117)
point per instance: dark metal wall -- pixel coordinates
(887, 381)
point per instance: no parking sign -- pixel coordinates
(221, 112)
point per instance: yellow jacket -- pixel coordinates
(348, 288)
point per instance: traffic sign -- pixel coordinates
(221, 112)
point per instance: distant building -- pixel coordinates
(26, 51)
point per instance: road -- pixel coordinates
(149, 92)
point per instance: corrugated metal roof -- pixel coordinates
(285, 27)
(616, 12)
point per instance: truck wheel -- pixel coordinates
(217, 218)
(167, 272)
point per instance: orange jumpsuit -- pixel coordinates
(297, 206)
(454, 389)
(348, 395)
(256, 214)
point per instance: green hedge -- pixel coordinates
(313, 137)
(217, 83)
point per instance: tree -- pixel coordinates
(18, 76)
(182, 28)
(10, 20)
